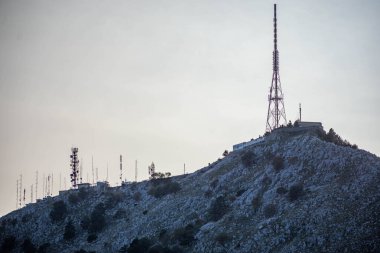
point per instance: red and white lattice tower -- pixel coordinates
(74, 164)
(276, 109)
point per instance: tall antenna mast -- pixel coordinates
(17, 195)
(107, 172)
(276, 110)
(92, 167)
(136, 171)
(36, 184)
(20, 191)
(81, 170)
(300, 112)
(74, 167)
(121, 169)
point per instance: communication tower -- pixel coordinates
(74, 167)
(276, 110)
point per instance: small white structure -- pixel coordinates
(308, 124)
(83, 185)
(248, 143)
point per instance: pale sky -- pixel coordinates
(173, 82)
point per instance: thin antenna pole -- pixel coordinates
(184, 168)
(81, 170)
(107, 172)
(31, 194)
(92, 167)
(300, 113)
(97, 179)
(24, 196)
(136, 171)
(17, 195)
(52, 184)
(20, 195)
(36, 184)
(121, 169)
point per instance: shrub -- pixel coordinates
(43, 248)
(278, 163)
(161, 190)
(28, 247)
(270, 210)
(219, 207)
(295, 192)
(139, 245)
(73, 199)
(214, 183)
(8, 244)
(69, 231)
(120, 213)
(97, 219)
(281, 190)
(266, 181)
(113, 199)
(240, 192)
(208, 193)
(85, 222)
(256, 203)
(91, 238)
(83, 193)
(333, 137)
(248, 159)
(185, 236)
(59, 211)
(222, 238)
(137, 196)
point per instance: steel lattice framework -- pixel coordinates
(276, 109)
(74, 164)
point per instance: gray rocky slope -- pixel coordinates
(291, 193)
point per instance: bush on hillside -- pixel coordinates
(278, 163)
(91, 238)
(59, 211)
(138, 246)
(333, 137)
(137, 196)
(69, 231)
(114, 198)
(28, 247)
(248, 159)
(219, 207)
(256, 203)
(223, 238)
(43, 248)
(97, 219)
(8, 244)
(120, 214)
(295, 192)
(162, 190)
(270, 210)
(73, 198)
(185, 236)
(281, 190)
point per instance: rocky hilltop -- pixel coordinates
(293, 192)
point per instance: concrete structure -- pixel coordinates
(248, 143)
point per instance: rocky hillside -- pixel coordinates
(290, 193)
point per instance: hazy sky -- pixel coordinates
(173, 82)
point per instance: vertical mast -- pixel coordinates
(276, 110)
